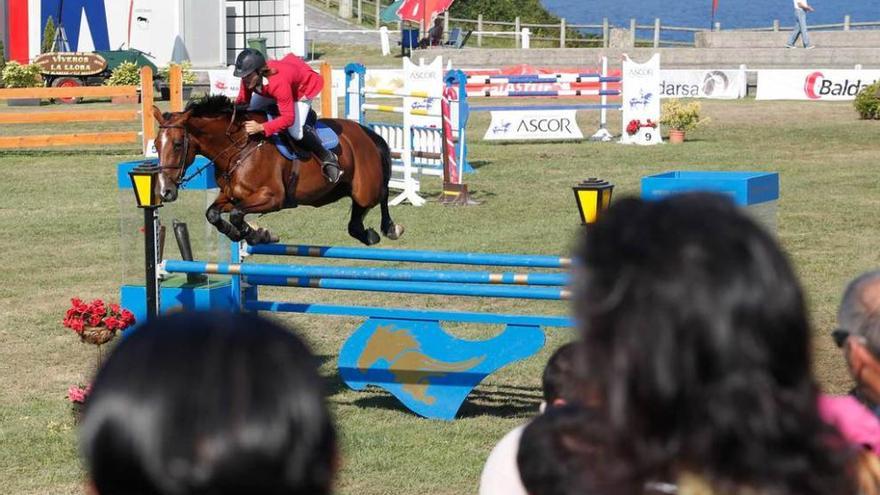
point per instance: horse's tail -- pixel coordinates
(389, 228)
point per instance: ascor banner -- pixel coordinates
(816, 85)
(718, 84)
(521, 125)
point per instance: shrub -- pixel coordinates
(867, 102)
(16, 75)
(48, 36)
(679, 116)
(186, 72)
(125, 74)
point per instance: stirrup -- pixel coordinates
(332, 178)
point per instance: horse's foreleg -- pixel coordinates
(263, 200)
(213, 214)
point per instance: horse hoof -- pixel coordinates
(395, 232)
(261, 236)
(371, 237)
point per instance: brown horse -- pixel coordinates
(254, 177)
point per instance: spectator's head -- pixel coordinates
(562, 377)
(559, 449)
(695, 326)
(209, 403)
(858, 321)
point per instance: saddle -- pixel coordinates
(292, 151)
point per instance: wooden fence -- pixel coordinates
(143, 114)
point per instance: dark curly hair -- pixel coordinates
(695, 325)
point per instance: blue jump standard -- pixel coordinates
(412, 255)
(375, 274)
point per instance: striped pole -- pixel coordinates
(411, 255)
(430, 288)
(369, 273)
(495, 93)
(453, 173)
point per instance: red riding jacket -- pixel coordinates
(293, 80)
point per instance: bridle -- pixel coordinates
(240, 144)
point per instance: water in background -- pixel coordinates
(697, 13)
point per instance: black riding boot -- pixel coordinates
(330, 164)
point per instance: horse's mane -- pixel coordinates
(210, 106)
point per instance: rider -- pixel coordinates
(291, 84)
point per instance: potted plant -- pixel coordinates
(125, 74)
(188, 78)
(679, 118)
(16, 75)
(95, 323)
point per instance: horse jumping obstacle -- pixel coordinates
(419, 145)
(593, 84)
(405, 351)
(143, 115)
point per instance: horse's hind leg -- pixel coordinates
(391, 230)
(356, 227)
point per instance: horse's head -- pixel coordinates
(176, 149)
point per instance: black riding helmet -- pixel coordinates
(248, 62)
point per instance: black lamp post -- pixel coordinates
(143, 180)
(593, 197)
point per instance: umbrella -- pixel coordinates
(422, 11)
(389, 13)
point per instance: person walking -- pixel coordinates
(801, 7)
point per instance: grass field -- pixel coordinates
(59, 238)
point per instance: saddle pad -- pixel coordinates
(328, 138)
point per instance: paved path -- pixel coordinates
(318, 19)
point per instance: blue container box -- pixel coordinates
(745, 188)
(204, 180)
(176, 295)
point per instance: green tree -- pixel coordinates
(48, 36)
(528, 11)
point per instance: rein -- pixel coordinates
(241, 144)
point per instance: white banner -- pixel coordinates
(523, 125)
(641, 100)
(223, 83)
(718, 84)
(422, 78)
(816, 85)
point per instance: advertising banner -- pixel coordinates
(815, 85)
(641, 101)
(716, 84)
(223, 83)
(516, 125)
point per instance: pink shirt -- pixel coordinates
(855, 422)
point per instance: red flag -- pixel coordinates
(714, 6)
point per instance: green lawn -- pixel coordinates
(59, 237)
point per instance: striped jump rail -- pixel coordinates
(368, 273)
(494, 93)
(543, 78)
(396, 92)
(411, 255)
(394, 109)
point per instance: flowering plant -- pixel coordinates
(84, 319)
(77, 394)
(636, 124)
